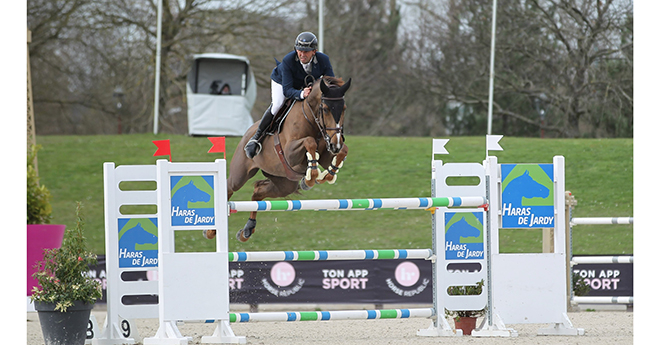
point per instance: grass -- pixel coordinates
(598, 172)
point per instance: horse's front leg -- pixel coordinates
(330, 175)
(312, 172)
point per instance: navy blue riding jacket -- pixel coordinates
(291, 75)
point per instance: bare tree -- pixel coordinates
(561, 66)
(83, 50)
(361, 38)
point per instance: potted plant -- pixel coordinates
(40, 233)
(67, 293)
(465, 320)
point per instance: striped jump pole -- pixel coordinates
(356, 204)
(623, 259)
(373, 314)
(323, 255)
(603, 299)
(601, 220)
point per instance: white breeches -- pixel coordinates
(276, 96)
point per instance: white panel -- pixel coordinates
(529, 288)
(192, 287)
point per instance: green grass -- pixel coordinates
(598, 172)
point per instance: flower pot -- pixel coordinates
(40, 237)
(466, 323)
(64, 328)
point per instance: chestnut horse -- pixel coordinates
(311, 135)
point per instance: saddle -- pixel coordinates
(274, 129)
(278, 119)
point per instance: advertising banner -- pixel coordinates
(527, 196)
(607, 279)
(355, 281)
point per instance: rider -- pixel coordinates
(288, 81)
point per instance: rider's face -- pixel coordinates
(305, 56)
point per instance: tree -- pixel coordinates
(95, 46)
(361, 38)
(561, 66)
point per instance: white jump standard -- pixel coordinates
(465, 230)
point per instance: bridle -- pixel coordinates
(333, 104)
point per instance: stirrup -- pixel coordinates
(256, 152)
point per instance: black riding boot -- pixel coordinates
(253, 146)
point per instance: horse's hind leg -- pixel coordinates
(240, 171)
(273, 187)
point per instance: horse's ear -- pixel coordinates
(324, 87)
(346, 86)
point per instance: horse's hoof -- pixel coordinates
(209, 234)
(243, 235)
(239, 236)
(321, 177)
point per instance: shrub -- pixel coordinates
(38, 197)
(63, 274)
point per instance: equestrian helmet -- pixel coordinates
(306, 41)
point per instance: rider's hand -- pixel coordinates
(306, 91)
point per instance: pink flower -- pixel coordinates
(79, 258)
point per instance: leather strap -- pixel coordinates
(290, 173)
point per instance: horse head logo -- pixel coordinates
(189, 193)
(459, 230)
(137, 238)
(524, 186)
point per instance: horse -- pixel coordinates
(310, 135)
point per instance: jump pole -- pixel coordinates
(332, 315)
(356, 204)
(329, 255)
